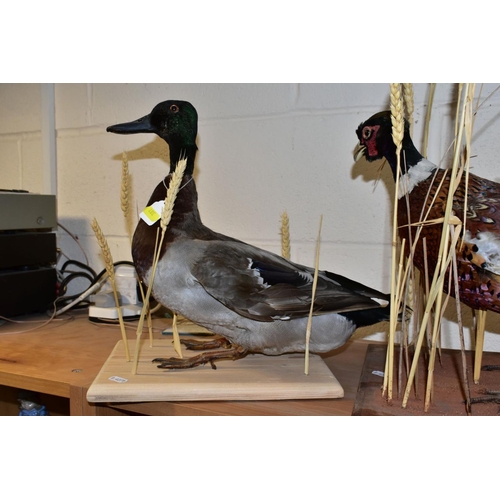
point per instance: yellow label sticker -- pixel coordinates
(152, 213)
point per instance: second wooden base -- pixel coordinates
(255, 377)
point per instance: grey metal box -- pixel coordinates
(20, 211)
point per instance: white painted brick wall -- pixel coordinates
(264, 148)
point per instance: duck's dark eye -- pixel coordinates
(174, 108)
(367, 132)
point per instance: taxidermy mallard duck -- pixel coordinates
(255, 300)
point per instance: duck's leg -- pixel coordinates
(236, 352)
(201, 345)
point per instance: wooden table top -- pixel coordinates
(51, 359)
(70, 353)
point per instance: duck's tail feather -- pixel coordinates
(369, 317)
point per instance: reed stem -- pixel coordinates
(313, 297)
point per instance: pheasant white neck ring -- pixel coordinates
(414, 176)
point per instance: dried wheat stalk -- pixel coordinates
(108, 262)
(480, 324)
(285, 235)
(126, 186)
(168, 209)
(166, 215)
(408, 97)
(432, 91)
(313, 297)
(412, 292)
(461, 330)
(436, 297)
(445, 255)
(397, 120)
(463, 127)
(125, 196)
(175, 335)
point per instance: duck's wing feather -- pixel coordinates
(264, 286)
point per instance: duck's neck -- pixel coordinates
(185, 216)
(185, 220)
(178, 152)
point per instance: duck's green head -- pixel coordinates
(174, 121)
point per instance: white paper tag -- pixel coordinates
(120, 380)
(152, 213)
